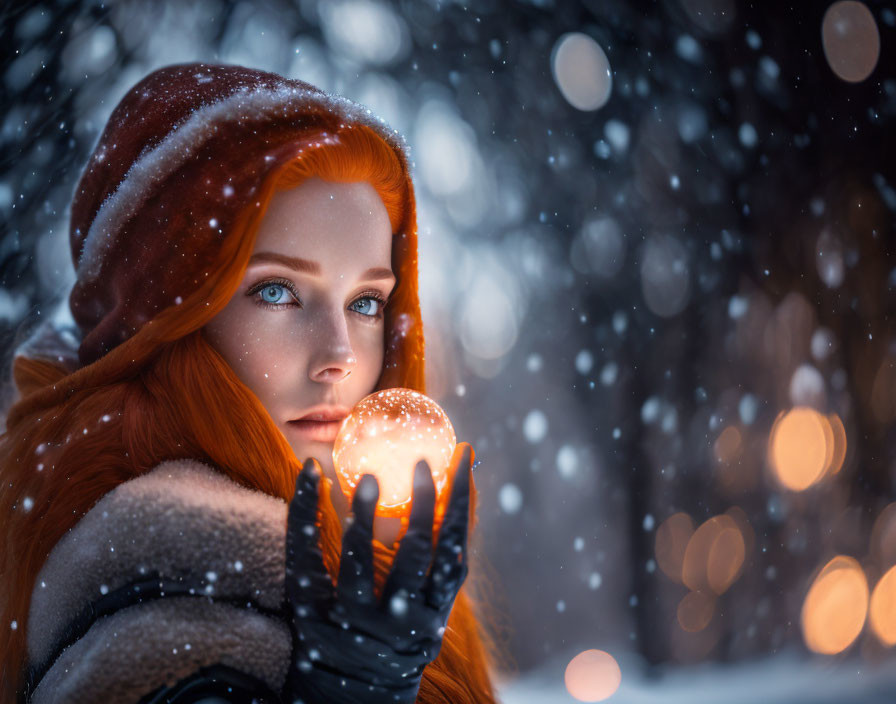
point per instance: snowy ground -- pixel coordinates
(787, 679)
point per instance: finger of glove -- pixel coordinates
(353, 672)
(356, 565)
(415, 551)
(307, 579)
(449, 567)
(368, 658)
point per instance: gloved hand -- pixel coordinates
(350, 646)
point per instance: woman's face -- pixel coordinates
(305, 329)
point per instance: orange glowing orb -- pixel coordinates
(386, 434)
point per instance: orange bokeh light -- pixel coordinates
(746, 530)
(671, 542)
(728, 445)
(592, 676)
(726, 557)
(714, 555)
(838, 456)
(695, 611)
(801, 447)
(835, 607)
(883, 608)
(883, 537)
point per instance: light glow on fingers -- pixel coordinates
(386, 434)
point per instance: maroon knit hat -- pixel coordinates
(181, 156)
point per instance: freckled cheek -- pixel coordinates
(274, 357)
(368, 347)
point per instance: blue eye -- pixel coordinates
(273, 294)
(366, 304)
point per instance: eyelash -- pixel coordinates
(288, 285)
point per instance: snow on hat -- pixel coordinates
(181, 155)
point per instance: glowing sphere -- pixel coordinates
(386, 434)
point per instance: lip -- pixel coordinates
(324, 413)
(315, 430)
(320, 423)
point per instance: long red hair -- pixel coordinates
(73, 436)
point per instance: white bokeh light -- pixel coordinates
(535, 426)
(599, 248)
(446, 149)
(584, 361)
(665, 276)
(369, 32)
(807, 387)
(490, 312)
(829, 259)
(567, 461)
(510, 498)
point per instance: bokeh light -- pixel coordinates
(883, 608)
(582, 71)
(386, 434)
(835, 607)
(665, 276)
(728, 445)
(366, 31)
(851, 40)
(807, 387)
(746, 530)
(883, 400)
(592, 676)
(714, 556)
(726, 558)
(838, 454)
(672, 539)
(829, 259)
(883, 537)
(799, 447)
(695, 611)
(599, 248)
(447, 150)
(488, 326)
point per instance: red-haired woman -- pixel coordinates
(246, 257)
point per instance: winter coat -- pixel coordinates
(177, 569)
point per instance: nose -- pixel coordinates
(334, 359)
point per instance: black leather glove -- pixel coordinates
(350, 646)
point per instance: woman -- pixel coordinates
(245, 248)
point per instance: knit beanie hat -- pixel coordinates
(181, 156)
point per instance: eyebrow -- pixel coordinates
(313, 268)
